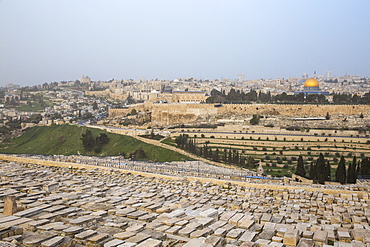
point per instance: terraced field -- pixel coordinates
(278, 152)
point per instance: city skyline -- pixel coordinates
(47, 41)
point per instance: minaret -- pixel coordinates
(314, 74)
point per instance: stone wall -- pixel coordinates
(107, 92)
(121, 112)
(97, 93)
(169, 177)
(167, 114)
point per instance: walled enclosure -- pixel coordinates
(167, 114)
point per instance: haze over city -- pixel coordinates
(184, 123)
(45, 41)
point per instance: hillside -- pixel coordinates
(65, 139)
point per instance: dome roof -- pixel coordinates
(311, 82)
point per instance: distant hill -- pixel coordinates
(66, 140)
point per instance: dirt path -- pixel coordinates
(160, 144)
(181, 151)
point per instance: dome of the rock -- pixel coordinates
(311, 82)
(311, 86)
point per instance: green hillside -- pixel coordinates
(65, 139)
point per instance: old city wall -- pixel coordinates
(294, 110)
(120, 112)
(167, 114)
(106, 92)
(97, 93)
(118, 96)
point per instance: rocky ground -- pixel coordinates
(51, 206)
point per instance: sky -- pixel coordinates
(59, 40)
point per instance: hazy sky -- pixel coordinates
(54, 40)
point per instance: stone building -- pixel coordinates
(312, 86)
(85, 79)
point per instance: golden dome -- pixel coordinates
(311, 82)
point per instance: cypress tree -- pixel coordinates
(320, 169)
(250, 162)
(340, 173)
(187, 144)
(236, 157)
(205, 151)
(327, 171)
(365, 165)
(194, 147)
(300, 167)
(312, 172)
(349, 171)
(224, 158)
(354, 174)
(351, 174)
(216, 155)
(358, 168)
(242, 161)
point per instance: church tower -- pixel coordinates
(278, 81)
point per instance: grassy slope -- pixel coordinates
(65, 139)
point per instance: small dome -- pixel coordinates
(311, 82)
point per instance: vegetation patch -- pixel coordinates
(153, 136)
(305, 156)
(66, 140)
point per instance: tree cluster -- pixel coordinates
(10, 126)
(230, 156)
(138, 154)
(320, 170)
(343, 98)
(300, 171)
(94, 144)
(239, 96)
(255, 119)
(354, 169)
(153, 136)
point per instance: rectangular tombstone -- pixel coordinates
(10, 205)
